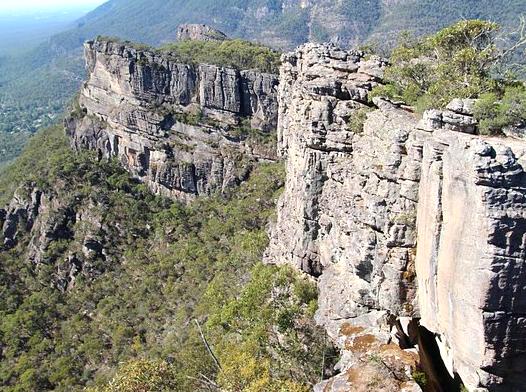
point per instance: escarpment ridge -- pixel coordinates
(183, 129)
(413, 227)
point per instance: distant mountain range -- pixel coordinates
(46, 78)
(284, 23)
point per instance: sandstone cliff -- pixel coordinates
(402, 222)
(180, 128)
(413, 228)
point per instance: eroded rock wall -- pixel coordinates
(471, 252)
(174, 126)
(401, 220)
(46, 222)
(348, 212)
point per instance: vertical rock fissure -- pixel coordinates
(438, 378)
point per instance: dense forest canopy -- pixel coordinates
(170, 270)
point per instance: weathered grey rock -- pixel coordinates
(348, 212)
(462, 106)
(219, 88)
(259, 99)
(516, 132)
(39, 220)
(448, 120)
(168, 123)
(20, 215)
(471, 249)
(199, 32)
(373, 212)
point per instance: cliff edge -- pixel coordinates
(183, 129)
(414, 229)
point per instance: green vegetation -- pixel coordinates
(11, 146)
(460, 61)
(34, 97)
(130, 315)
(36, 164)
(229, 53)
(497, 111)
(454, 63)
(142, 375)
(357, 121)
(420, 378)
(233, 53)
(244, 131)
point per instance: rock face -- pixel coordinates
(48, 221)
(470, 258)
(177, 127)
(199, 32)
(402, 221)
(20, 214)
(349, 209)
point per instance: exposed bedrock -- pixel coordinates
(401, 220)
(199, 32)
(174, 126)
(471, 252)
(49, 223)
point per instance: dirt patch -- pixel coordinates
(362, 343)
(349, 330)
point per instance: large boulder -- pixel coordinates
(199, 32)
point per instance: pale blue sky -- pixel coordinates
(37, 5)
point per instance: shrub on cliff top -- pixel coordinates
(495, 112)
(457, 62)
(234, 53)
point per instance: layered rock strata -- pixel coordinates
(401, 221)
(182, 129)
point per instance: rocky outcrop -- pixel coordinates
(199, 32)
(20, 215)
(471, 254)
(349, 208)
(58, 230)
(182, 129)
(413, 228)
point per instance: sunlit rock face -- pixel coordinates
(401, 220)
(174, 126)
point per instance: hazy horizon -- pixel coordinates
(26, 23)
(35, 6)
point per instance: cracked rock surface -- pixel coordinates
(403, 219)
(173, 125)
